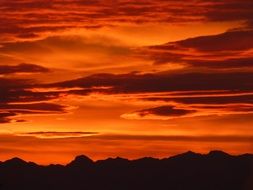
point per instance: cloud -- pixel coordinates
(233, 63)
(40, 107)
(230, 10)
(18, 96)
(162, 82)
(229, 50)
(22, 68)
(32, 19)
(17, 100)
(180, 94)
(83, 137)
(162, 112)
(71, 52)
(167, 112)
(16, 90)
(208, 99)
(57, 134)
(73, 43)
(13, 112)
(5, 117)
(228, 41)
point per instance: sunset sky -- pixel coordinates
(108, 78)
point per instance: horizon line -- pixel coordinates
(118, 157)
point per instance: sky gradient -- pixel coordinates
(125, 78)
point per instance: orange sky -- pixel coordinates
(125, 78)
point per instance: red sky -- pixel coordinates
(125, 78)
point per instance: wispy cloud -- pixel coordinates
(229, 50)
(22, 68)
(57, 134)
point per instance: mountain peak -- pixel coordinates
(81, 161)
(218, 153)
(187, 155)
(190, 153)
(15, 162)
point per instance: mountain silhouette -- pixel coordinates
(80, 162)
(15, 162)
(188, 171)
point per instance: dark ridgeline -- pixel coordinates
(189, 171)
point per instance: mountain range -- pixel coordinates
(216, 170)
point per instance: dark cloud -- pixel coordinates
(17, 90)
(190, 110)
(163, 82)
(231, 89)
(228, 50)
(235, 63)
(233, 40)
(40, 107)
(219, 99)
(169, 111)
(229, 41)
(13, 112)
(18, 99)
(29, 19)
(22, 68)
(231, 10)
(5, 117)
